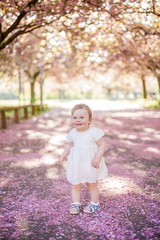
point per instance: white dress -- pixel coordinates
(79, 168)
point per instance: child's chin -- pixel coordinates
(81, 129)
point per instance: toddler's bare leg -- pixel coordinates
(94, 192)
(76, 193)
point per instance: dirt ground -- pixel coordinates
(35, 196)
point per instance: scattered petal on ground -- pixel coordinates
(36, 196)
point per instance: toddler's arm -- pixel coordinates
(100, 152)
(66, 151)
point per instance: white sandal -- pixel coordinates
(75, 208)
(91, 208)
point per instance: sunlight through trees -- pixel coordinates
(81, 41)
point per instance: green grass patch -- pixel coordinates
(154, 104)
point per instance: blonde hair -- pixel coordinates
(82, 106)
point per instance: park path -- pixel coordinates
(35, 195)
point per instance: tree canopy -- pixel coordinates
(77, 37)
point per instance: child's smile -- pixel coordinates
(80, 120)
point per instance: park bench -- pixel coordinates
(15, 112)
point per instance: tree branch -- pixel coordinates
(15, 35)
(17, 21)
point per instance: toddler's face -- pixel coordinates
(80, 120)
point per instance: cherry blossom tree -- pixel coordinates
(21, 17)
(100, 33)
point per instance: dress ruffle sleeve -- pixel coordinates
(69, 136)
(97, 133)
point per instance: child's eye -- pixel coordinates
(82, 117)
(74, 117)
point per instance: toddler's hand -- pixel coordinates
(95, 164)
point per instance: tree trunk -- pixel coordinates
(41, 84)
(144, 90)
(61, 94)
(20, 86)
(32, 100)
(158, 79)
(34, 77)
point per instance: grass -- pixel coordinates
(153, 104)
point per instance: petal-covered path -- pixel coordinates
(35, 196)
